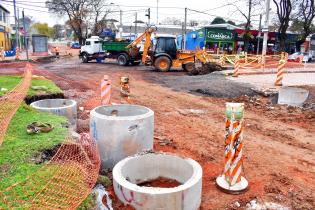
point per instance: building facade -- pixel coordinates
(5, 30)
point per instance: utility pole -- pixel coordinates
(157, 12)
(259, 34)
(185, 28)
(136, 25)
(25, 34)
(149, 15)
(265, 30)
(14, 7)
(121, 25)
(18, 29)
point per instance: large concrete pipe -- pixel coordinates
(121, 131)
(62, 107)
(129, 173)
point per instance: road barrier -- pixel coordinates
(106, 85)
(63, 182)
(232, 180)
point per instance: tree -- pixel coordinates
(218, 20)
(252, 8)
(58, 31)
(172, 21)
(284, 9)
(82, 14)
(302, 23)
(231, 22)
(43, 29)
(193, 23)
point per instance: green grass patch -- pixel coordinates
(9, 82)
(19, 149)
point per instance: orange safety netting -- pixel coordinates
(62, 183)
(10, 102)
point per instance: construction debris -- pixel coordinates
(205, 69)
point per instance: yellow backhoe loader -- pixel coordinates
(164, 54)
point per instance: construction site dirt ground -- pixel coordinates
(279, 153)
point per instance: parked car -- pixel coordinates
(307, 57)
(75, 45)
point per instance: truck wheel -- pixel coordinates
(85, 58)
(122, 60)
(162, 63)
(189, 66)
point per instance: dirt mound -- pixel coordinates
(205, 69)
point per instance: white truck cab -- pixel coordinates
(92, 46)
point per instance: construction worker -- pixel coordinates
(57, 51)
(2, 53)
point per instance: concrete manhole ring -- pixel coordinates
(62, 107)
(120, 131)
(144, 167)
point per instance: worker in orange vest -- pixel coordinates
(57, 51)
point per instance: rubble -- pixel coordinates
(205, 69)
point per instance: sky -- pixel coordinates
(167, 8)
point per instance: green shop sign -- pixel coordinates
(219, 35)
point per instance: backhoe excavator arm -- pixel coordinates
(147, 36)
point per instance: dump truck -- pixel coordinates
(96, 48)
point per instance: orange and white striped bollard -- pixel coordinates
(106, 85)
(2, 53)
(280, 70)
(236, 67)
(222, 60)
(17, 53)
(232, 180)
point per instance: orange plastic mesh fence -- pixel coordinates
(10, 102)
(63, 182)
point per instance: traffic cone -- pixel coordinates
(231, 180)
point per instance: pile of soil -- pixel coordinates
(160, 182)
(205, 69)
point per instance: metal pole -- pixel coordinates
(14, 7)
(157, 12)
(18, 26)
(136, 25)
(259, 34)
(185, 28)
(265, 30)
(25, 34)
(149, 15)
(120, 30)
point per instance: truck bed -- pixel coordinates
(114, 46)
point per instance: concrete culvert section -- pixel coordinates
(130, 173)
(62, 107)
(121, 131)
(292, 96)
